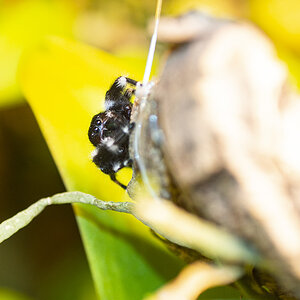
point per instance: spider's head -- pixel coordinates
(106, 125)
(96, 129)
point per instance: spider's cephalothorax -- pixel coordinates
(109, 130)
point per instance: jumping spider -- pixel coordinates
(109, 130)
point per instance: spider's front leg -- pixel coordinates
(115, 180)
(118, 97)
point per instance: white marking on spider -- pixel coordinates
(94, 153)
(126, 162)
(125, 129)
(109, 104)
(110, 144)
(113, 148)
(109, 114)
(122, 81)
(116, 166)
(108, 141)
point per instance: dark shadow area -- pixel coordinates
(28, 173)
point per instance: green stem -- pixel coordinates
(163, 217)
(23, 218)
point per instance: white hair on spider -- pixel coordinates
(113, 148)
(94, 153)
(116, 166)
(109, 113)
(109, 104)
(122, 81)
(125, 129)
(108, 141)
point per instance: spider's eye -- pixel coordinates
(94, 135)
(98, 122)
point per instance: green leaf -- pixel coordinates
(65, 83)
(6, 294)
(23, 24)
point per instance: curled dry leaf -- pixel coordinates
(194, 279)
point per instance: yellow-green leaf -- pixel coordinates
(6, 294)
(23, 24)
(280, 19)
(65, 83)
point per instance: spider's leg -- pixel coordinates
(131, 81)
(116, 143)
(129, 92)
(131, 126)
(121, 137)
(123, 134)
(117, 88)
(115, 180)
(115, 91)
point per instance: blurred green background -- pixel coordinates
(46, 260)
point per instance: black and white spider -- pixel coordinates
(109, 130)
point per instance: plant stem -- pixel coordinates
(23, 218)
(163, 217)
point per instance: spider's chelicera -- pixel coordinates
(109, 130)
